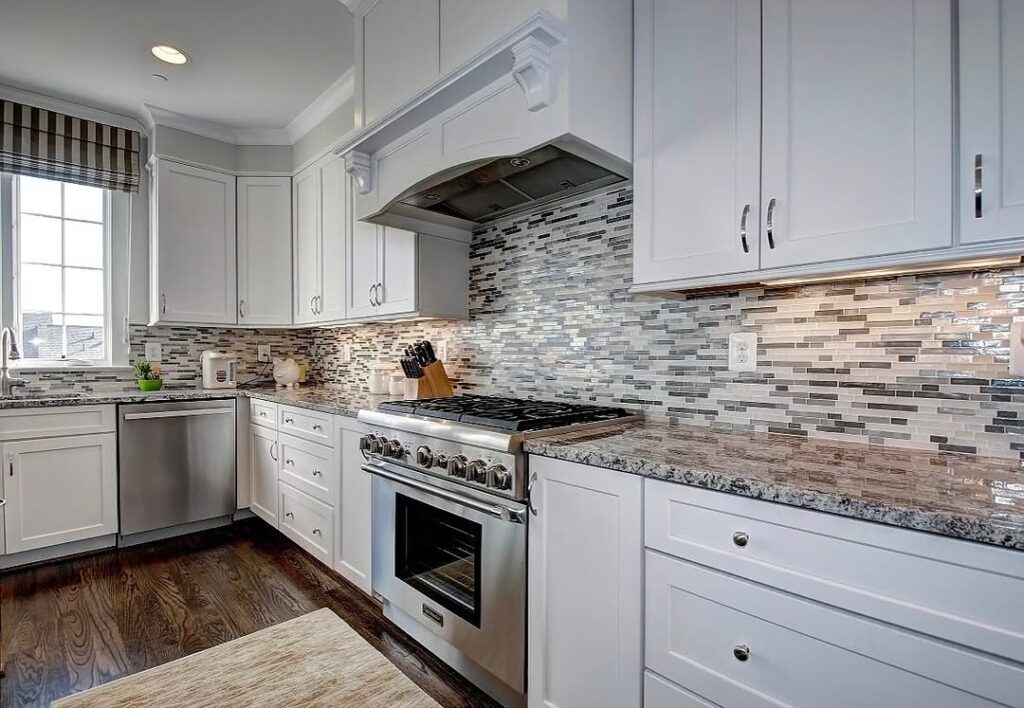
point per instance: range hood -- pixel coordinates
(542, 114)
(510, 184)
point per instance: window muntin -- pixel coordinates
(61, 249)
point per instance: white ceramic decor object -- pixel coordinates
(286, 372)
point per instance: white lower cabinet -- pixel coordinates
(59, 490)
(353, 539)
(584, 587)
(662, 693)
(263, 457)
(307, 521)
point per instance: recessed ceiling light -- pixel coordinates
(169, 54)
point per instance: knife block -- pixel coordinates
(434, 382)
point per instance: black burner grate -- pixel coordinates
(512, 414)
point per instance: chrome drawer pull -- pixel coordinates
(290, 515)
(317, 426)
(317, 532)
(263, 414)
(289, 420)
(289, 462)
(741, 652)
(740, 538)
(317, 473)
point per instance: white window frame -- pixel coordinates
(116, 221)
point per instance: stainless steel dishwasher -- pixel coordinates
(176, 463)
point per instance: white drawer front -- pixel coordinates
(308, 522)
(25, 423)
(961, 591)
(307, 424)
(662, 693)
(263, 413)
(800, 653)
(310, 467)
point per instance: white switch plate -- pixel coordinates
(263, 353)
(154, 352)
(1017, 348)
(442, 350)
(743, 351)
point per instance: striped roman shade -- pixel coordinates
(44, 143)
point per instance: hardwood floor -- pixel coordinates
(74, 624)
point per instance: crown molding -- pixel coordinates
(351, 4)
(336, 95)
(71, 108)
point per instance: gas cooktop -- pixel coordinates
(511, 414)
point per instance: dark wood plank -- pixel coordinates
(78, 623)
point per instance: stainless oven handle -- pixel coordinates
(498, 512)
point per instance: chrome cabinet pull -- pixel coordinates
(263, 414)
(317, 532)
(977, 186)
(289, 420)
(740, 538)
(380, 294)
(290, 462)
(289, 514)
(529, 494)
(317, 426)
(741, 652)
(319, 304)
(743, 228)
(771, 223)
(372, 303)
(317, 473)
(312, 304)
(241, 308)
(163, 304)
(273, 451)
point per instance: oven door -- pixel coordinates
(455, 562)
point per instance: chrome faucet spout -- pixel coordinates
(8, 352)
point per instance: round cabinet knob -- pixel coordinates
(740, 538)
(477, 472)
(424, 457)
(741, 652)
(457, 466)
(393, 448)
(499, 473)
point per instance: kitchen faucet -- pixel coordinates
(8, 353)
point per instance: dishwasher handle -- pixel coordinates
(178, 414)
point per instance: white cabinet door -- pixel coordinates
(352, 558)
(991, 120)
(59, 490)
(697, 122)
(397, 289)
(363, 267)
(306, 244)
(263, 454)
(857, 128)
(193, 261)
(335, 222)
(400, 54)
(264, 250)
(584, 587)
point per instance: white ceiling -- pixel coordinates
(255, 63)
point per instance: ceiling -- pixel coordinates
(255, 63)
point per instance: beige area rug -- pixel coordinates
(313, 660)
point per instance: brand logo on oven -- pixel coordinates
(431, 613)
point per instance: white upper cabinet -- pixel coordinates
(398, 271)
(363, 259)
(697, 129)
(335, 222)
(306, 243)
(192, 252)
(991, 179)
(398, 50)
(264, 251)
(857, 128)
(468, 26)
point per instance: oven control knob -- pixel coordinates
(441, 460)
(457, 466)
(393, 448)
(477, 472)
(424, 457)
(500, 475)
(370, 445)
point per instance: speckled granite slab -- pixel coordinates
(327, 399)
(964, 496)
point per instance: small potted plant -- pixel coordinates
(148, 376)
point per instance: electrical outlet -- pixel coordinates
(346, 353)
(442, 350)
(154, 352)
(263, 353)
(743, 351)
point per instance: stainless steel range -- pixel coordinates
(450, 510)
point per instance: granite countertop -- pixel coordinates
(964, 496)
(327, 399)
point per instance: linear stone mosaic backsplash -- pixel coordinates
(181, 347)
(916, 361)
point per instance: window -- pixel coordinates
(60, 242)
(59, 246)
